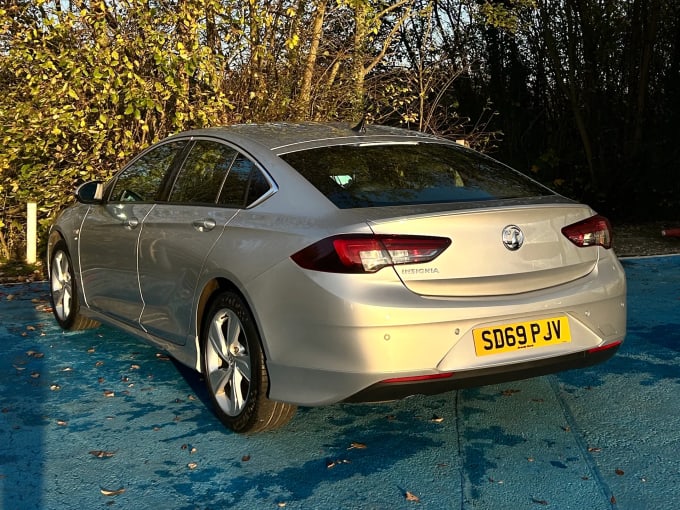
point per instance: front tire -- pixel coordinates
(64, 291)
(235, 371)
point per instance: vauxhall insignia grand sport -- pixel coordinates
(309, 264)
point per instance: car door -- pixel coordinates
(177, 236)
(110, 232)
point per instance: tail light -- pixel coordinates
(593, 231)
(367, 253)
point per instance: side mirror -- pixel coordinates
(90, 192)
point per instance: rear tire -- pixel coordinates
(64, 291)
(234, 369)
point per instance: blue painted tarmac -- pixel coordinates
(97, 419)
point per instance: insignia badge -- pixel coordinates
(513, 237)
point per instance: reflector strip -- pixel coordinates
(415, 378)
(605, 347)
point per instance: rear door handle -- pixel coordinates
(204, 225)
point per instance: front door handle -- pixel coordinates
(204, 225)
(131, 223)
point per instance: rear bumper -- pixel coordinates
(384, 391)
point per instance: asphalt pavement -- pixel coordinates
(97, 419)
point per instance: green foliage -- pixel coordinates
(83, 91)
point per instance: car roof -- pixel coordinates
(283, 137)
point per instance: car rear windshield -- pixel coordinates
(377, 175)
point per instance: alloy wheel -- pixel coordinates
(61, 285)
(228, 363)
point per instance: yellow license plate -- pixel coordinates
(521, 335)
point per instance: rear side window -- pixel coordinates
(141, 180)
(244, 185)
(408, 173)
(203, 173)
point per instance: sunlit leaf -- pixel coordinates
(411, 497)
(356, 445)
(101, 453)
(108, 492)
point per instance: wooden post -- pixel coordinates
(31, 229)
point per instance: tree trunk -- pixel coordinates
(302, 104)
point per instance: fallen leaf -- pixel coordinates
(90, 350)
(31, 328)
(539, 501)
(191, 397)
(34, 354)
(192, 465)
(357, 446)
(19, 368)
(619, 472)
(612, 500)
(99, 364)
(162, 356)
(107, 492)
(594, 449)
(437, 419)
(35, 375)
(281, 504)
(245, 458)
(330, 464)
(62, 423)
(509, 393)
(55, 387)
(67, 369)
(101, 453)
(411, 497)
(566, 428)
(109, 393)
(134, 367)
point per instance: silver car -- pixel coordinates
(308, 264)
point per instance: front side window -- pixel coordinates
(203, 173)
(408, 173)
(141, 181)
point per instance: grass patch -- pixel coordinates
(20, 271)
